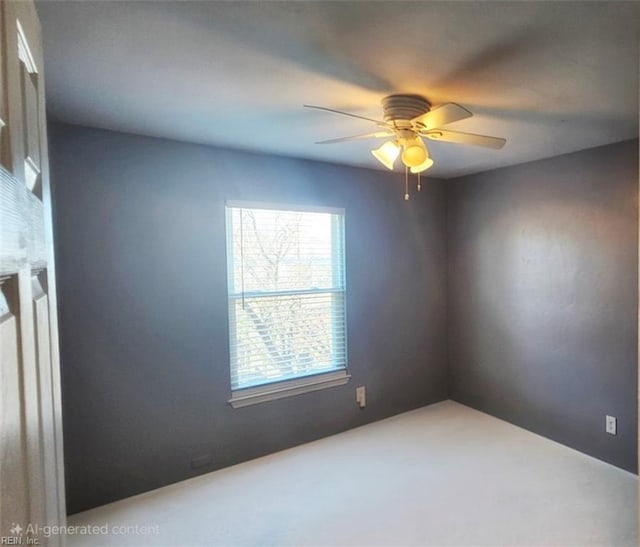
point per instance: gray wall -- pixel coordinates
(543, 297)
(143, 310)
(541, 288)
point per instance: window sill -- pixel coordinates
(288, 388)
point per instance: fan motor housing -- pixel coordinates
(400, 109)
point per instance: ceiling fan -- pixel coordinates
(407, 119)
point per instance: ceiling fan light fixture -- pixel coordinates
(423, 166)
(414, 153)
(426, 163)
(387, 154)
(408, 119)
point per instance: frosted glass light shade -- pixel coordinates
(387, 154)
(423, 166)
(414, 153)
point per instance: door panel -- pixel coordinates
(30, 124)
(46, 386)
(30, 115)
(31, 468)
(13, 466)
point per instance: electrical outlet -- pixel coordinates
(612, 425)
(361, 396)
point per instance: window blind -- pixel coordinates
(286, 285)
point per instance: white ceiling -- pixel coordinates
(551, 77)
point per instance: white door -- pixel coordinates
(31, 465)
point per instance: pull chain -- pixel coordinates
(406, 183)
(419, 187)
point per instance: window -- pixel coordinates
(286, 287)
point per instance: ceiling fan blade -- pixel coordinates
(377, 122)
(442, 115)
(375, 135)
(464, 138)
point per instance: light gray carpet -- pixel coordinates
(440, 475)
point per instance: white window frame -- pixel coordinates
(294, 386)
